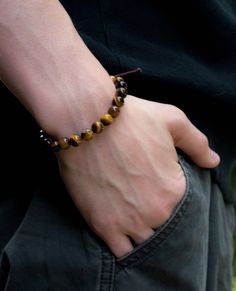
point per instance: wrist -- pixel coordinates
(78, 108)
(75, 138)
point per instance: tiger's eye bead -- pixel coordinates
(113, 78)
(87, 134)
(114, 111)
(121, 92)
(64, 143)
(106, 119)
(55, 146)
(122, 84)
(97, 127)
(48, 140)
(119, 79)
(118, 101)
(75, 140)
(119, 82)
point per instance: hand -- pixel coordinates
(127, 181)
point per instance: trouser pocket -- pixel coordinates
(176, 257)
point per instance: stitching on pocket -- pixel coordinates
(107, 271)
(162, 233)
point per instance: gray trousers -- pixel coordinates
(53, 249)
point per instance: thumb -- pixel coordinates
(192, 141)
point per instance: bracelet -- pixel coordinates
(97, 127)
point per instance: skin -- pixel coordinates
(125, 182)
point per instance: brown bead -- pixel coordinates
(106, 119)
(97, 127)
(121, 92)
(122, 84)
(118, 82)
(64, 143)
(55, 146)
(75, 140)
(118, 101)
(87, 134)
(114, 111)
(119, 79)
(113, 78)
(48, 141)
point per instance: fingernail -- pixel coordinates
(214, 156)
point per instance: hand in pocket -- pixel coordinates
(127, 182)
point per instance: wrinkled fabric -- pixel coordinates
(54, 249)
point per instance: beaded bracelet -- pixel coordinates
(97, 127)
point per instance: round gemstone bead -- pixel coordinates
(55, 146)
(119, 82)
(64, 143)
(118, 101)
(87, 134)
(113, 78)
(42, 132)
(121, 92)
(75, 140)
(48, 140)
(114, 111)
(97, 127)
(106, 119)
(119, 79)
(123, 84)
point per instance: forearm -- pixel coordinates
(46, 65)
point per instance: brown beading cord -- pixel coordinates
(97, 127)
(137, 70)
